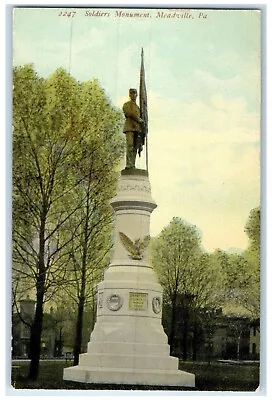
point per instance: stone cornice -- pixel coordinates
(133, 205)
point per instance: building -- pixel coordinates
(254, 340)
(205, 335)
(21, 330)
(57, 335)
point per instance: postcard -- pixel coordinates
(136, 198)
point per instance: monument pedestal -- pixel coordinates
(128, 344)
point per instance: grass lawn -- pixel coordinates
(226, 377)
(214, 377)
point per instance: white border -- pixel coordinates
(5, 159)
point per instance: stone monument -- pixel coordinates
(128, 344)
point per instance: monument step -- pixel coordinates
(128, 348)
(128, 361)
(130, 376)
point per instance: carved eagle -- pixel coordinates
(136, 248)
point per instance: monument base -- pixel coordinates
(128, 344)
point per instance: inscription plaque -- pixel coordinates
(138, 301)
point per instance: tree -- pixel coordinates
(173, 256)
(253, 230)
(57, 121)
(253, 258)
(236, 274)
(185, 272)
(242, 272)
(89, 250)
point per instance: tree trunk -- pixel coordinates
(238, 347)
(79, 326)
(81, 298)
(36, 328)
(35, 339)
(194, 340)
(184, 338)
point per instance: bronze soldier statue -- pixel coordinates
(133, 129)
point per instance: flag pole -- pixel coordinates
(143, 106)
(146, 122)
(146, 152)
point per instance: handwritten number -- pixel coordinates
(67, 14)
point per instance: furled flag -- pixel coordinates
(143, 98)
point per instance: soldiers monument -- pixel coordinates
(128, 344)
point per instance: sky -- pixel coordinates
(203, 85)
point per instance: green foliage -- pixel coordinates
(198, 286)
(242, 273)
(65, 135)
(252, 256)
(67, 143)
(252, 228)
(192, 283)
(182, 266)
(174, 254)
